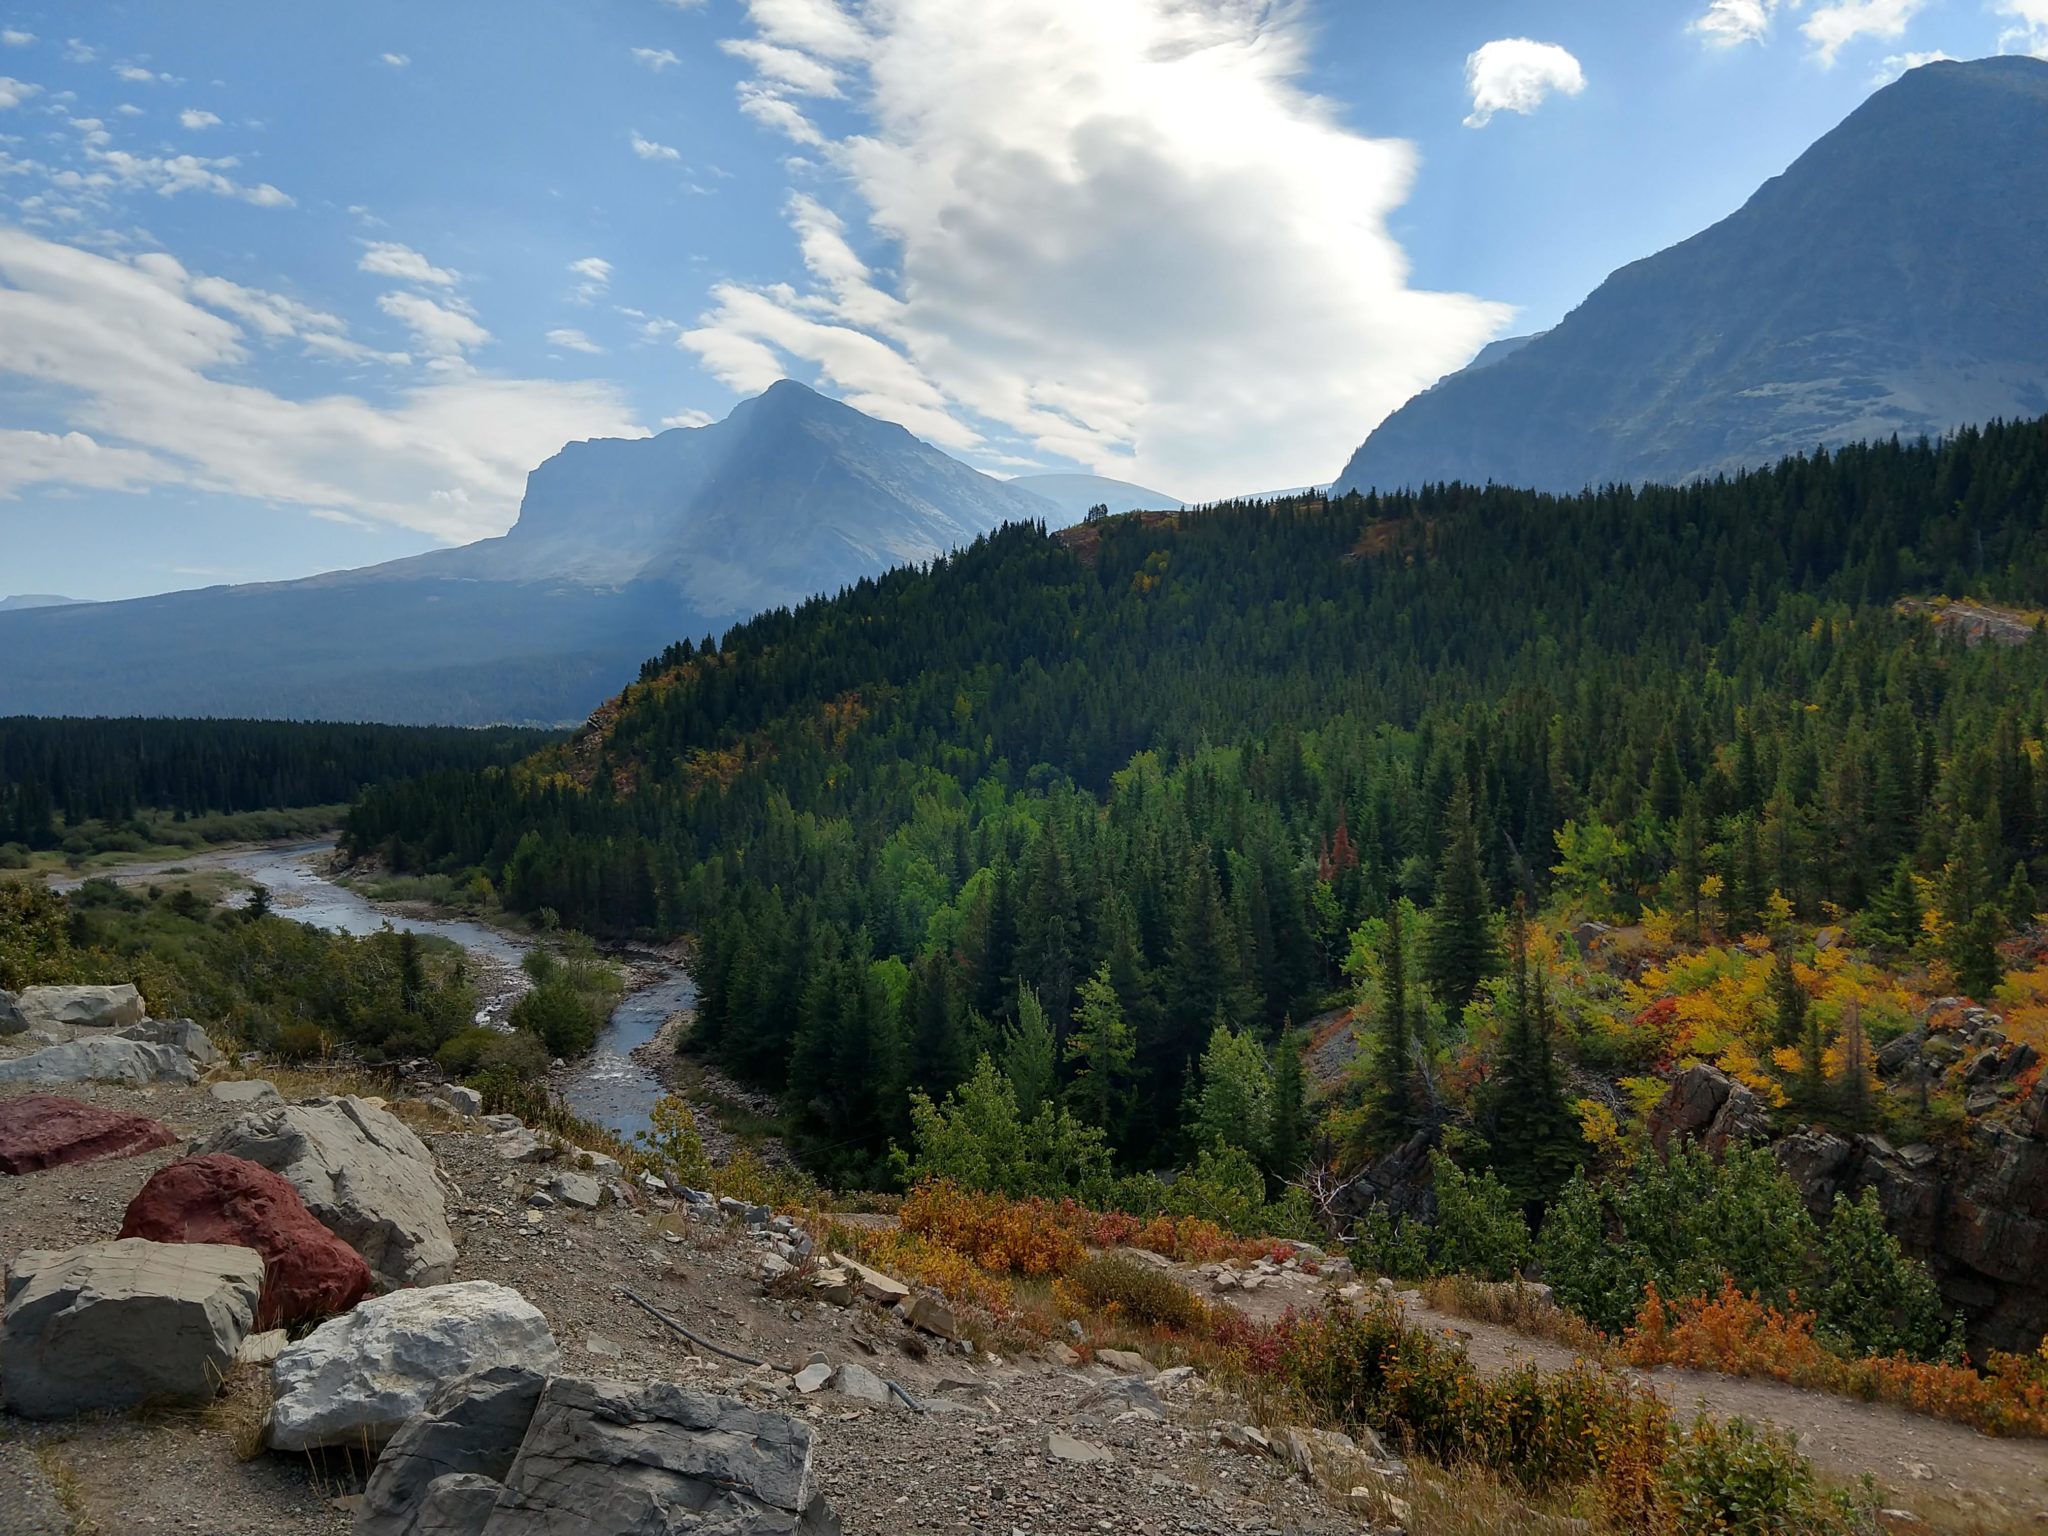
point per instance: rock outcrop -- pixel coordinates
(1706, 1105)
(308, 1272)
(45, 1130)
(469, 1432)
(114, 1324)
(102, 1059)
(354, 1381)
(183, 1033)
(61, 1009)
(367, 1177)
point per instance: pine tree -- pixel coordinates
(1395, 1107)
(1101, 1050)
(1458, 948)
(1287, 1130)
(1788, 997)
(1973, 924)
(1852, 1087)
(1894, 917)
(1667, 781)
(1030, 1060)
(1690, 863)
(1534, 1137)
(1049, 933)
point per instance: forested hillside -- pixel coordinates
(1157, 777)
(57, 773)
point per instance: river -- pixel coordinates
(608, 1086)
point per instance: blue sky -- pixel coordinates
(285, 288)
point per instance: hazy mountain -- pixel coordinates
(1073, 495)
(621, 547)
(35, 600)
(1891, 280)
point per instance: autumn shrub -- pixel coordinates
(1002, 1236)
(1128, 1291)
(1513, 1304)
(1743, 1336)
(920, 1261)
(1748, 1481)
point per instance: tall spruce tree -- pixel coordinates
(1393, 1087)
(1459, 950)
(1534, 1138)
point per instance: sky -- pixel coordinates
(286, 288)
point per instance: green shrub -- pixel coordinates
(480, 1049)
(1224, 1186)
(1745, 1481)
(1136, 1292)
(301, 1042)
(1479, 1227)
(1874, 1299)
(1385, 1244)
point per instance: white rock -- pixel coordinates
(860, 1384)
(354, 1380)
(464, 1101)
(101, 1059)
(1084, 1452)
(812, 1378)
(262, 1348)
(61, 1008)
(254, 1090)
(577, 1189)
(884, 1290)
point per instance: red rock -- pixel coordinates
(308, 1272)
(46, 1130)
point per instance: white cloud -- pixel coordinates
(135, 74)
(689, 419)
(1731, 23)
(14, 38)
(73, 458)
(1898, 63)
(195, 118)
(1833, 27)
(1104, 233)
(2031, 35)
(573, 340)
(344, 519)
(683, 5)
(395, 60)
(148, 377)
(647, 149)
(439, 330)
(167, 176)
(14, 92)
(387, 258)
(1516, 74)
(595, 274)
(129, 109)
(78, 51)
(656, 59)
(785, 68)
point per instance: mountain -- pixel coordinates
(35, 600)
(1074, 495)
(621, 547)
(1890, 281)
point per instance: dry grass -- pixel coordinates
(1511, 1304)
(64, 1484)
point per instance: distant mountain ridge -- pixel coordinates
(622, 546)
(22, 600)
(1890, 281)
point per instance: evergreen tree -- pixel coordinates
(1049, 933)
(1287, 1130)
(1394, 1109)
(1101, 1050)
(1235, 1103)
(1690, 866)
(1894, 917)
(1788, 997)
(1458, 947)
(1030, 1058)
(1534, 1137)
(1852, 1086)
(1972, 921)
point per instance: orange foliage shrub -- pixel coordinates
(1004, 1236)
(951, 1273)
(1740, 1336)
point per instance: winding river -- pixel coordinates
(608, 1086)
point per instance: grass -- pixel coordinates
(1520, 1307)
(96, 847)
(64, 1484)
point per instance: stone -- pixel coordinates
(101, 1059)
(466, 1102)
(470, 1428)
(519, 1146)
(861, 1384)
(771, 1267)
(355, 1380)
(1062, 1354)
(1081, 1452)
(812, 1378)
(660, 1460)
(111, 1325)
(931, 1312)
(1130, 1362)
(1706, 1105)
(1901, 1053)
(11, 1020)
(46, 1130)
(308, 1272)
(363, 1174)
(883, 1290)
(579, 1190)
(262, 1348)
(833, 1284)
(61, 1009)
(1121, 1394)
(1174, 1377)
(249, 1090)
(183, 1033)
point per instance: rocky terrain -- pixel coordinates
(622, 1320)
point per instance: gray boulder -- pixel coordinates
(356, 1379)
(369, 1180)
(183, 1033)
(659, 1460)
(446, 1465)
(62, 1009)
(114, 1324)
(1706, 1105)
(249, 1090)
(11, 1020)
(102, 1059)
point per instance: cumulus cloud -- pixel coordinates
(439, 330)
(395, 60)
(149, 375)
(1104, 234)
(387, 258)
(14, 37)
(688, 418)
(656, 59)
(1833, 27)
(573, 340)
(169, 175)
(195, 117)
(1731, 23)
(135, 74)
(2030, 32)
(1516, 74)
(647, 149)
(14, 92)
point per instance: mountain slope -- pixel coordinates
(1890, 281)
(621, 547)
(1074, 495)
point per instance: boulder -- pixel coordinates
(354, 1381)
(470, 1429)
(254, 1090)
(308, 1272)
(1081, 1452)
(579, 1190)
(860, 1384)
(933, 1313)
(11, 1020)
(101, 1059)
(263, 1348)
(1130, 1362)
(883, 1290)
(183, 1033)
(44, 1130)
(812, 1378)
(366, 1177)
(657, 1460)
(1706, 1105)
(61, 1009)
(114, 1324)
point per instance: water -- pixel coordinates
(607, 1086)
